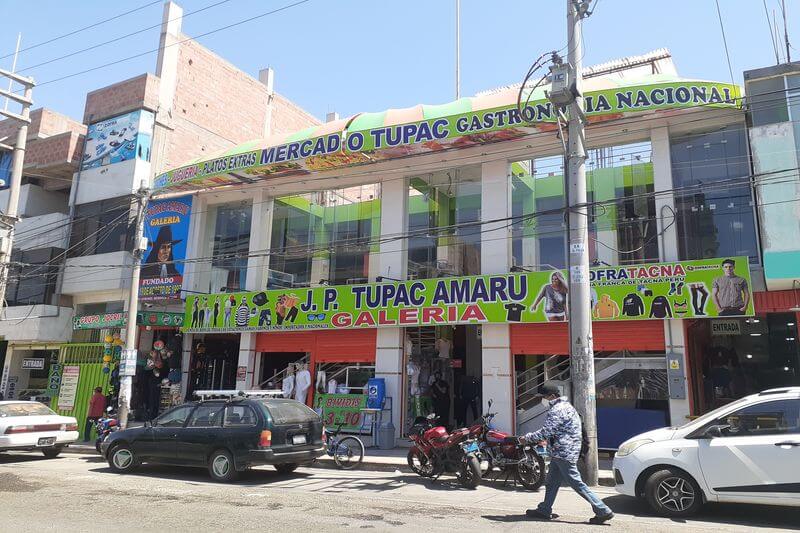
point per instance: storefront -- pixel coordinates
(733, 357)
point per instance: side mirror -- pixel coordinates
(715, 431)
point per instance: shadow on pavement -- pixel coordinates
(200, 475)
(719, 513)
(510, 518)
(22, 457)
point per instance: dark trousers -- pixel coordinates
(87, 431)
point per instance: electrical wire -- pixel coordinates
(724, 41)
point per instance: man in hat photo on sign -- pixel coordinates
(160, 262)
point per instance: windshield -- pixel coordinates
(289, 412)
(711, 415)
(24, 409)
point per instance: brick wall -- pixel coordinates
(288, 117)
(44, 123)
(119, 98)
(55, 150)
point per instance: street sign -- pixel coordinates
(33, 363)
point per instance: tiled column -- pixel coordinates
(498, 379)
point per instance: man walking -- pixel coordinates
(97, 407)
(562, 430)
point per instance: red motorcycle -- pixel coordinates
(435, 452)
(507, 454)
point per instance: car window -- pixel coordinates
(24, 409)
(174, 418)
(288, 412)
(769, 418)
(205, 416)
(239, 415)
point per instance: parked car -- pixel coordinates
(745, 452)
(34, 426)
(225, 436)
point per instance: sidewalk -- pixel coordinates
(376, 460)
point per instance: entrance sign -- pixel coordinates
(34, 363)
(684, 289)
(166, 226)
(368, 138)
(726, 327)
(69, 387)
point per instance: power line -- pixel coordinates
(94, 25)
(724, 40)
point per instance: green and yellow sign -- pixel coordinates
(685, 289)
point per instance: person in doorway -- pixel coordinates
(555, 296)
(730, 292)
(562, 430)
(440, 390)
(97, 406)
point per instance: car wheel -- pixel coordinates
(52, 453)
(121, 459)
(286, 468)
(221, 466)
(673, 493)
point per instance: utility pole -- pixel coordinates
(9, 218)
(126, 381)
(580, 315)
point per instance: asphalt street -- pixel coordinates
(80, 493)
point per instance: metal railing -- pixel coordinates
(280, 375)
(88, 352)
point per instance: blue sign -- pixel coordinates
(166, 227)
(5, 169)
(119, 139)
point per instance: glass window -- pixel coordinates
(780, 417)
(324, 237)
(206, 416)
(239, 415)
(229, 246)
(290, 412)
(25, 409)
(444, 211)
(714, 202)
(31, 285)
(767, 101)
(174, 418)
(102, 227)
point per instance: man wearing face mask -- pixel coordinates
(562, 431)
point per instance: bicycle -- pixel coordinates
(348, 452)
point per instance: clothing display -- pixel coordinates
(412, 369)
(288, 385)
(302, 382)
(443, 347)
(606, 308)
(555, 301)
(632, 305)
(660, 308)
(514, 312)
(699, 296)
(320, 383)
(332, 384)
(680, 308)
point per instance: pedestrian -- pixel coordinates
(97, 406)
(440, 390)
(562, 431)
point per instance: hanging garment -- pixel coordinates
(302, 382)
(320, 383)
(606, 308)
(288, 386)
(660, 308)
(332, 386)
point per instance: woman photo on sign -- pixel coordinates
(159, 262)
(555, 296)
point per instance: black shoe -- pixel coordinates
(597, 520)
(536, 513)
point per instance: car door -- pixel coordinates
(160, 445)
(195, 441)
(757, 458)
(241, 430)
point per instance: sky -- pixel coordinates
(351, 56)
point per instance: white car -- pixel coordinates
(745, 452)
(34, 426)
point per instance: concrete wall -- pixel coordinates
(81, 275)
(111, 181)
(36, 323)
(44, 231)
(35, 201)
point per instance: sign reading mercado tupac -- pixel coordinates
(166, 226)
(686, 289)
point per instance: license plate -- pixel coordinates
(471, 447)
(46, 441)
(298, 439)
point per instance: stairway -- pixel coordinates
(278, 377)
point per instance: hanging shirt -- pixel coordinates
(288, 386)
(514, 312)
(632, 305)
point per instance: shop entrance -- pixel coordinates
(276, 366)
(214, 361)
(443, 374)
(734, 357)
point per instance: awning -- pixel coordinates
(368, 138)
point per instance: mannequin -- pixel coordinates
(413, 371)
(288, 381)
(320, 382)
(302, 382)
(443, 346)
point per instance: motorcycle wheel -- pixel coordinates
(419, 464)
(470, 474)
(530, 473)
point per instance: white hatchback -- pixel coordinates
(745, 452)
(34, 426)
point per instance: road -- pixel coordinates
(80, 493)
